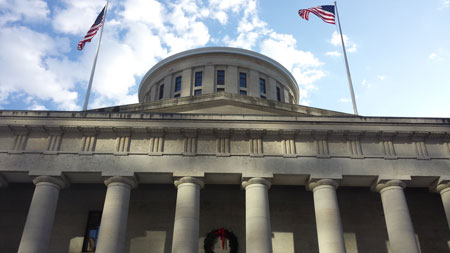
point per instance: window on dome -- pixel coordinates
(243, 80)
(198, 79)
(161, 91)
(278, 93)
(197, 92)
(220, 77)
(178, 84)
(262, 85)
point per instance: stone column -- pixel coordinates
(258, 234)
(444, 190)
(186, 226)
(328, 219)
(113, 226)
(401, 234)
(39, 224)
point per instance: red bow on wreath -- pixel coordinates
(221, 232)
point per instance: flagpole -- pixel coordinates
(88, 92)
(346, 63)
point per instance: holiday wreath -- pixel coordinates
(221, 233)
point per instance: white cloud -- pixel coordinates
(335, 40)
(35, 68)
(77, 16)
(381, 77)
(345, 100)
(27, 10)
(366, 84)
(333, 53)
(445, 3)
(432, 56)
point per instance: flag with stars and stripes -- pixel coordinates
(93, 30)
(325, 12)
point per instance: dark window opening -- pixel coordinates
(176, 96)
(161, 91)
(198, 79)
(262, 96)
(92, 229)
(278, 94)
(220, 77)
(220, 89)
(197, 92)
(262, 85)
(243, 92)
(178, 84)
(243, 80)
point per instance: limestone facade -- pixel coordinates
(160, 175)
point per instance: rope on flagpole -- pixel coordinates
(88, 92)
(355, 110)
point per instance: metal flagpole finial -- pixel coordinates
(352, 93)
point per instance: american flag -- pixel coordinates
(93, 30)
(325, 12)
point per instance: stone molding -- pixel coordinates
(130, 181)
(257, 180)
(326, 181)
(192, 180)
(380, 187)
(60, 182)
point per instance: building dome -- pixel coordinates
(219, 69)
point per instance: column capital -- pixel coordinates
(130, 181)
(443, 187)
(326, 181)
(257, 180)
(383, 185)
(192, 180)
(3, 182)
(61, 182)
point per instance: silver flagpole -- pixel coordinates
(88, 92)
(346, 63)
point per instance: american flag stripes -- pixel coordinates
(93, 30)
(325, 12)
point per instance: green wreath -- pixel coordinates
(212, 236)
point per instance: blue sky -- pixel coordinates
(398, 51)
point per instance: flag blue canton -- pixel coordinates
(329, 8)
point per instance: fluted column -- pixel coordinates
(444, 190)
(113, 226)
(186, 226)
(258, 233)
(328, 219)
(39, 224)
(400, 229)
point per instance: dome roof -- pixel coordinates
(218, 69)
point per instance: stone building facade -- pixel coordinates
(218, 140)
